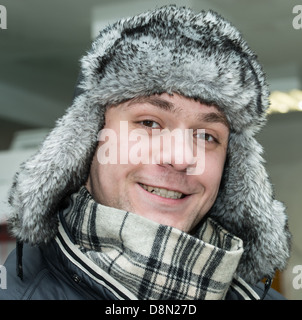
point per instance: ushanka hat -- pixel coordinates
(172, 50)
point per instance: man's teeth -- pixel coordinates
(163, 192)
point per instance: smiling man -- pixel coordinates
(152, 186)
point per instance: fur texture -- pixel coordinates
(171, 49)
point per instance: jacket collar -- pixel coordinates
(84, 272)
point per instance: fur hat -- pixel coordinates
(173, 50)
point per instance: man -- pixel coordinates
(152, 185)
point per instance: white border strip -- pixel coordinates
(247, 287)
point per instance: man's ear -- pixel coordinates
(87, 185)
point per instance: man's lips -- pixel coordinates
(163, 192)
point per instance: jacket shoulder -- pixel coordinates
(36, 276)
(17, 289)
(38, 282)
(272, 294)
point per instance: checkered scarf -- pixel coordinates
(154, 261)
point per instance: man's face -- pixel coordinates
(159, 187)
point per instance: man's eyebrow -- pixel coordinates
(155, 101)
(216, 117)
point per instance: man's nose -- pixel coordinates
(175, 149)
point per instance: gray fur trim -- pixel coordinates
(246, 207)
(168, 50)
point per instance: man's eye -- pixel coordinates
(150, 124)
(206, 136)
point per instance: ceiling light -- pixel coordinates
(284, 102)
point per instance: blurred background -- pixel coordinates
(39, 64)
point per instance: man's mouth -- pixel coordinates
(165, 193)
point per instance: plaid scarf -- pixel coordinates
(154, 261)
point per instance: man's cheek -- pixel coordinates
(107, 149)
